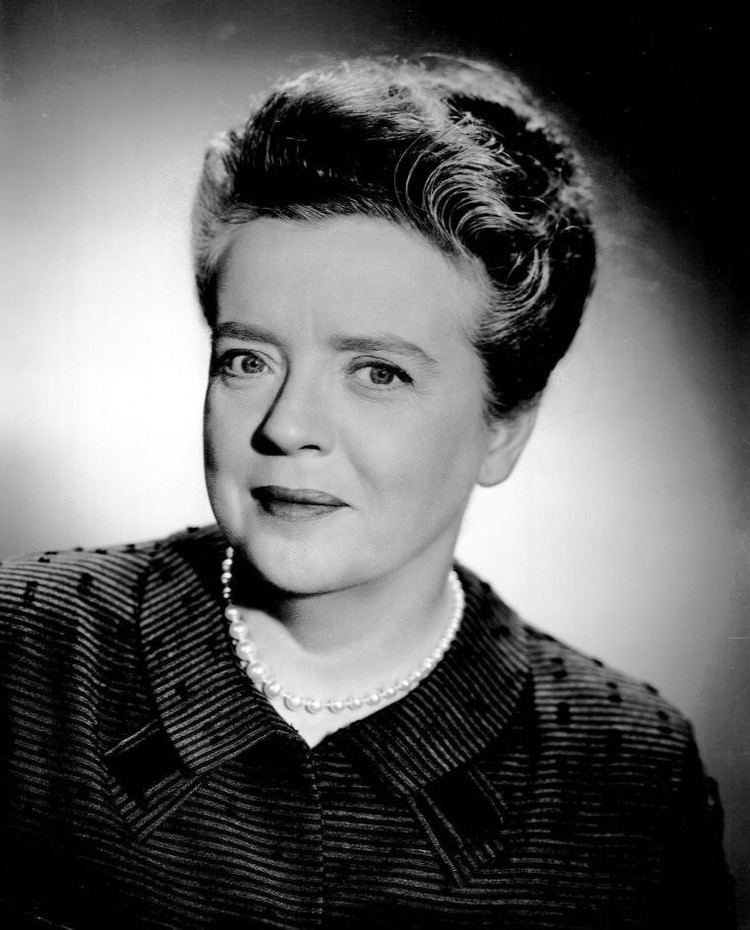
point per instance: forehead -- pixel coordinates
(367, 271)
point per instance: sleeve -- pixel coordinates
(699, 890)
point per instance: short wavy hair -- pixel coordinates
(457, 150)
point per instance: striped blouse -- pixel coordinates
(147, 784)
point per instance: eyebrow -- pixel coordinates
(384, 343)
(341, 343)
(245, 331)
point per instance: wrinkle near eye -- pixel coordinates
(387, 344)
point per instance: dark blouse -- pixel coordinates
(145, 783)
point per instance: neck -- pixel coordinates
(352, 639)
(356, 615)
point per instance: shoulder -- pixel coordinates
(111, 565)
(596, 759)
(72, 670)
(577, 699)
(595, 733)
(584, 693)
(78, 592)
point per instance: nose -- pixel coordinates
(298, 418)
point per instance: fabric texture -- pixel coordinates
(145, 782)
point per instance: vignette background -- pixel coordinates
(624, 529)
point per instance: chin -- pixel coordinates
(299, 559)
(299, 571)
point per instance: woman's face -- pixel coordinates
(344, 426)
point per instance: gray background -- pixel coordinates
(623, 530)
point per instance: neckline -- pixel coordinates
(212, 713)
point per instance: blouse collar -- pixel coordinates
(211, 713)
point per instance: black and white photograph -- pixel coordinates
(374, 448)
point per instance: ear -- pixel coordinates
(507, 441)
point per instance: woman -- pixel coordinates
(308, 715)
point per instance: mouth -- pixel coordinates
(296, 503)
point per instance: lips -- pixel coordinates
(296, 503)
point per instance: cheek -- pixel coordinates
(426, 459)
(222, 434)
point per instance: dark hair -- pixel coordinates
(455, 149)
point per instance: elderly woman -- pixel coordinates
(309, 715)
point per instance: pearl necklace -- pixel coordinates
(261, 677)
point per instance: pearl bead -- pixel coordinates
(246, 651)
(238, 630)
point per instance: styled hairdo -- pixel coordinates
(455, 149)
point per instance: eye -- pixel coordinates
(380, 374)
(240, 363)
